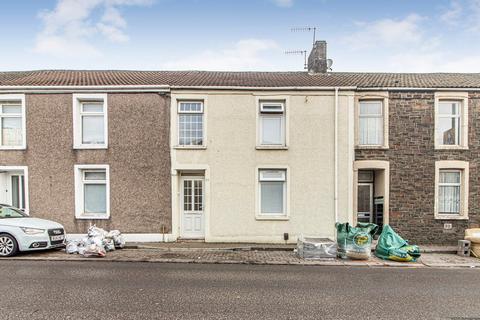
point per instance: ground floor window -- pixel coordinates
(92, 194)
(451, 190)
(272, 192)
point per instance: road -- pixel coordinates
(114, 290)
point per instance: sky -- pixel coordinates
(239, 35)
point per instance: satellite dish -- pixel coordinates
(329, 64)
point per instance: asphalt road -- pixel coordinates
(106, 290)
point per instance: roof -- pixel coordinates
(237, 79)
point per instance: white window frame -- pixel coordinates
(265, 113)
(462, 99)
(286, 194)
(381, 96)
(78, 100)
(463, 167)
(20, 98)
(79, 191)
(202, 112)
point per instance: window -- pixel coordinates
(272, 192)
(12, 122)
(451, 190)
(92, 192)
(272, 124)
(371, 123)
(451, 120)
(190, 123)
(90, 121)
(448, 123)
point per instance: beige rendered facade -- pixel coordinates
(317, 143)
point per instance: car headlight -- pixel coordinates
(33, 230)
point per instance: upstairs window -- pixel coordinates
(371, 123)
(448, 123)
(190, 123)
(90, 122)
(12, 122)
(272, 124)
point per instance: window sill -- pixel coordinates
(190, 147)
(450, 217)
(271, 147)
(272, 218)
(92, 217)
(368, 147)
(86, 146)
(14, 148)
(451, 148)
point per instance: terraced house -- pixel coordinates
(243, 156)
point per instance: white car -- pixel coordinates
(19, 232)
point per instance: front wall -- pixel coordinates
(412, 168)
(232, 159)
(138, 155)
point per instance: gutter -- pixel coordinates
(261, 88)
(415, 89)
(70, 89)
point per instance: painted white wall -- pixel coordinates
(231, 159)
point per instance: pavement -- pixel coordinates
(88, 290)
(246, 254)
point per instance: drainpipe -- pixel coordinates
(335, 155)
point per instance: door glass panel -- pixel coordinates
(15, 193)
(198, 196)
(187, 195)
(364, 202)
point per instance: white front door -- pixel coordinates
(13, 185)
(192, 200)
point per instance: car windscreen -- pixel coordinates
(10, 212)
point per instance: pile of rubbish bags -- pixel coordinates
(393, 247)
(355, 242)
(97, 243)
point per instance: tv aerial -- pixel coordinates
(302, 52)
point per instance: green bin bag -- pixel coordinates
(391, 246)
(355, 242)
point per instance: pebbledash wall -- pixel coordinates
(137, 154)
(412, 156)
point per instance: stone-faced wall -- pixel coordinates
(138, 154)
(412, 168)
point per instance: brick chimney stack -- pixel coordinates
(317, 60)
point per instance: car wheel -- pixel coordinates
(8, 245)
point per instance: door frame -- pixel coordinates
(372, 165)
(177, 223)
(9, 169)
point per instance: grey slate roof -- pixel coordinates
(238, 79)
